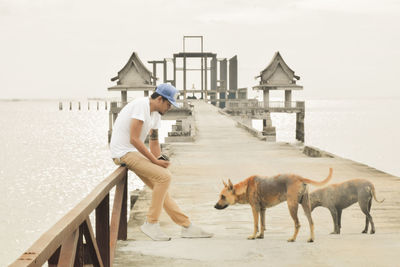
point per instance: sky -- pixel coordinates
(71, 49)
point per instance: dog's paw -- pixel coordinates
(364, 232)
(252, 237)
(291, 240)
(372, 232)
(260, 236)
(310, 240)
(334, 233)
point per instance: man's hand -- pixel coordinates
(162, 163)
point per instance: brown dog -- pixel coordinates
(337, 197)
(266, 192)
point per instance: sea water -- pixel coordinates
(363, 130)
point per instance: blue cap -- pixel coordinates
(168, 91)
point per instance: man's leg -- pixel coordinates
(158, 179)
(174, 212)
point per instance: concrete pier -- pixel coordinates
(222, 150)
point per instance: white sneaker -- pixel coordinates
(153, 231)
(194, 231)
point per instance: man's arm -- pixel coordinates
(136, 128)
(154, 143)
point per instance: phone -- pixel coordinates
(163, 157)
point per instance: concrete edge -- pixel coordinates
(246, 127)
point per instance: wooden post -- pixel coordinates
(205, 78)
(124, 97)
(79, 255)
(105, 105)
(174, 62)
(300, 126)
(123, 223)
(79, 105)
(53, 260)
(88, 105)
(70, 105)
(103, 230)
(184, 79)
(97, 105)
(60, 106)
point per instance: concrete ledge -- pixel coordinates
(316, 153)
(251, 130)
(248, 128)
(189, 125)
(172, 139)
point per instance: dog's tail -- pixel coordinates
(324, 182)
(374, 195)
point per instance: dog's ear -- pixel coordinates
(224, 183)
(230, 187)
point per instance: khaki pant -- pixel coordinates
(158, 179)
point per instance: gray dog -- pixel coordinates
(337, 197)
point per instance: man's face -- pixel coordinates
(165, 105)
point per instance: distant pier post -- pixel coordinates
(269, 131)
(300, 126)
(70, 105)
(79, 105)
(60, 107)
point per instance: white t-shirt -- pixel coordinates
(137, 109)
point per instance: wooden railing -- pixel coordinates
(72, 241)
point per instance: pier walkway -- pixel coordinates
(223, 151)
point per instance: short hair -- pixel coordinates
(155, 95)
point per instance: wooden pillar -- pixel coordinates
(288, 98)
(174, 63)
(165, 71)
(124, 96)
(202, 76)
(53, 260)
(184, 79)
(213, 86)
(103, 230)
(205, 78)
(268, 130)
(123, 223)
(154, 73)
(233, 79)
(223, 77)
(266, 98)
(300, 126)
(79, 255)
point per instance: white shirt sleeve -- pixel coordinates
(157, 122)
(138, 111)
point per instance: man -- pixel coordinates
(134, 122)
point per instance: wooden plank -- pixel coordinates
(92, 244)
(103, 230)
(68, 251)
(47, 244)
